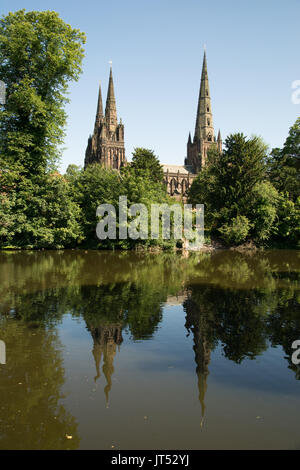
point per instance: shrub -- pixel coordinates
(236, 231)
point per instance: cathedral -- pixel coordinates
(106, 145)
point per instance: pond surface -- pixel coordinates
(149, 351)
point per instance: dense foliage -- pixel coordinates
(39, 55)
(96, 185)
(251, 195)
(144, 160)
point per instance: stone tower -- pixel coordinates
(106, 145)
(204, 135)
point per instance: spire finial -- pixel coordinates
(204, 47)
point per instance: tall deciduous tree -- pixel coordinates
(144, 160)
(39, 55)
(285, 164)
(237, 201)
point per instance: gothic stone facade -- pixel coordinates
(106, 145)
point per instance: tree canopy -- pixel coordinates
(244, 198)
(284, 164)
(145, 160)
(39, 55)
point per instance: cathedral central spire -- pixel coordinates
(110, 109)
(204, 122)
(204, 135)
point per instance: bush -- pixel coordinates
(236, 231)
(262, 210)
(39, 213)
(288, 225)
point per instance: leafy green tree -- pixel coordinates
(145, 161)
(284, 164)
(39, 55)
(236, 231)
(7, 216)
(139, 187)
(41, 214)
(288, 223)
(91, 187)
(97, 185)
(72, 172)
(262, 210)
(239, 202)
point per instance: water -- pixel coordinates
(149, 351)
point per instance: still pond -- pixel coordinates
(118, 350)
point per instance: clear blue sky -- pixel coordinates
(157, 47)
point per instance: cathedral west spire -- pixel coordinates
(99, 113)
(106, 145)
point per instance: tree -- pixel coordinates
(288, 223)
(97, 185)
(39, 55)
(262, 210)
(239, 203)
(284, 164)
(72, 172)
(145, 161)
(41, 214)
(91, 187)
(139, 187)
(236, 231)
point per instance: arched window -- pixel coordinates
(184, 187)
(115, 162)
(173, 186)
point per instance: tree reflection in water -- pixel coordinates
(239, 301)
